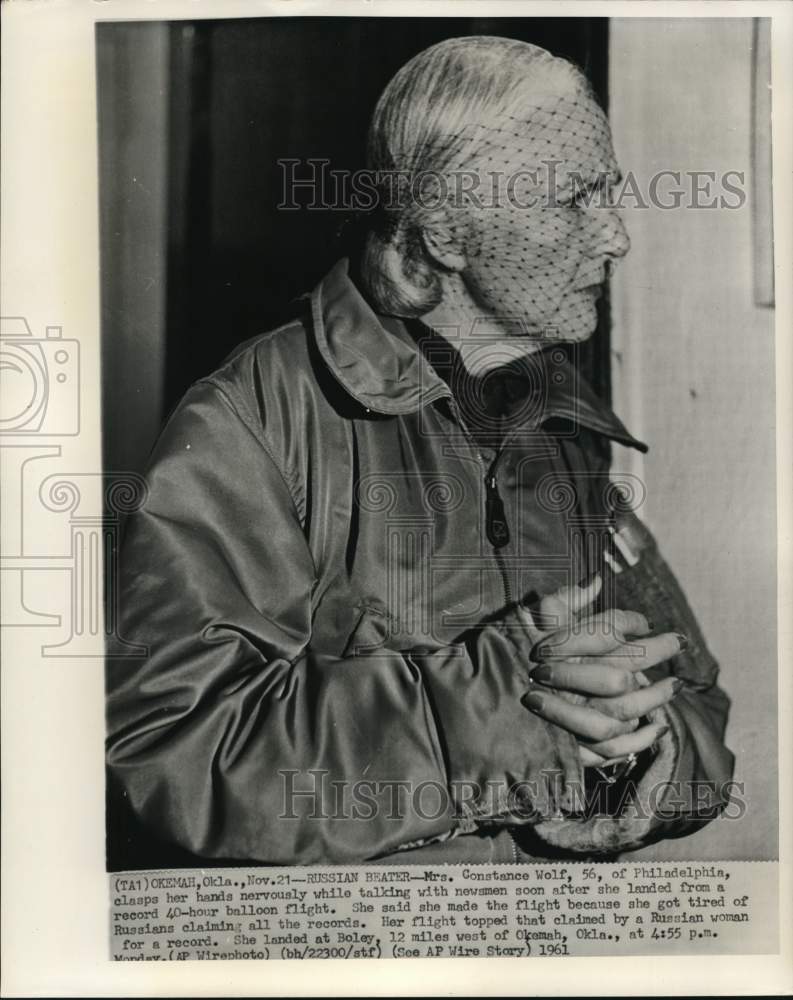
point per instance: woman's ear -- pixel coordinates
(444, 243)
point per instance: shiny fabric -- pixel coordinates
(330, 634)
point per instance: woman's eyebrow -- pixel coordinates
(593, 181)
(607, 176)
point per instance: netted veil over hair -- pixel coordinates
(463, 105)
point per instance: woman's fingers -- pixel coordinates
(634, 742)
(591, 636)
(582, 721)
(647, 653)
(559, 610)
(608, 675)
(589, 758)
(595, 678)
(556, 610)
(640, 702)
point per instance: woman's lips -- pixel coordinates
(593, 282)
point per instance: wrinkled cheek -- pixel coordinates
(524, 264)
(552, 282)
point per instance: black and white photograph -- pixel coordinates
(410, 501)
(398, 597)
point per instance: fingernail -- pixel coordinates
(662, 732)
(588, 579)
(677, 685)
(533, 700)
(542, 673)
(682, 640)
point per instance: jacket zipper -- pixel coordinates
(498, 534)
(496, 526)
(497, 530)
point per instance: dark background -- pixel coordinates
(195, 255)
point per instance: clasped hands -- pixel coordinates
(589, 679)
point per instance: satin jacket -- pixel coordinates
(324, 574)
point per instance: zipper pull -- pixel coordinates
(495, 517)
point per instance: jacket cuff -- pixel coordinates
(639, 817)
(504, 763)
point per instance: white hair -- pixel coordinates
(434, 114)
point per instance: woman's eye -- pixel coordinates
(586, 197)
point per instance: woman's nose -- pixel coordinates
(608, 234)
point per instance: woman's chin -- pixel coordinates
(570, 326)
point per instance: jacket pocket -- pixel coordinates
(376, 628)
(372, 631)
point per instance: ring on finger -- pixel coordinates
(621, 768)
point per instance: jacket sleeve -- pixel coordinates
(235, 737)
(687, 782)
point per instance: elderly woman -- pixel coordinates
(395, 607)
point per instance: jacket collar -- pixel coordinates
(377, 362)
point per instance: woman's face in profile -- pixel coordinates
(540, 255)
